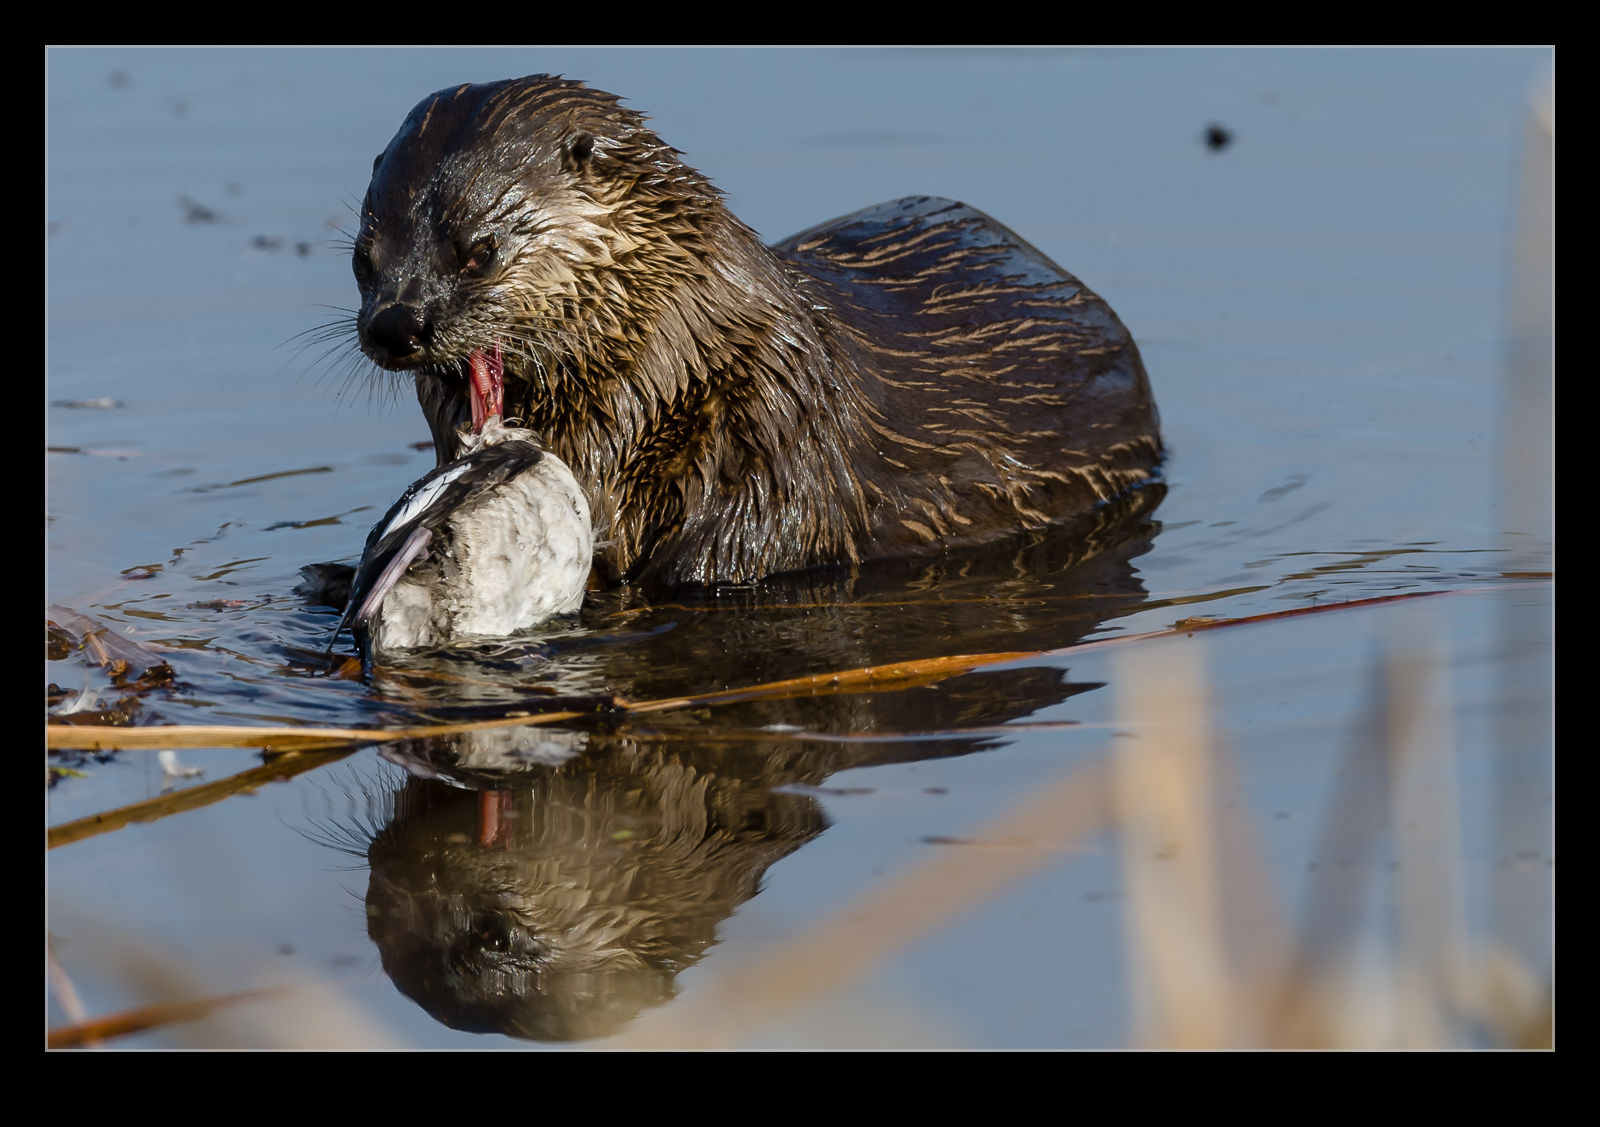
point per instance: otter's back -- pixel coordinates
(998, 377)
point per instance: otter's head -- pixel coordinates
(509, 217)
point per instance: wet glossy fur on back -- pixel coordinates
(904, 379)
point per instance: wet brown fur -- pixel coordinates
(902, 380)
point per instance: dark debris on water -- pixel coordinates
(131, 670)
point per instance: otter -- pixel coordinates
(910, 378)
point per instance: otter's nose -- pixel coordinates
(397, 329)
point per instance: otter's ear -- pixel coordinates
(376, 161)
(577, 150)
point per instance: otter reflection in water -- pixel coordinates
(901, 381)
(562, 900)
(552, 882)
(563, 903)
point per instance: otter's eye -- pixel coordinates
(361, 263)
(475, 263)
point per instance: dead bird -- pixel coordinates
(485, 546)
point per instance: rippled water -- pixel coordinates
(1321, 304)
